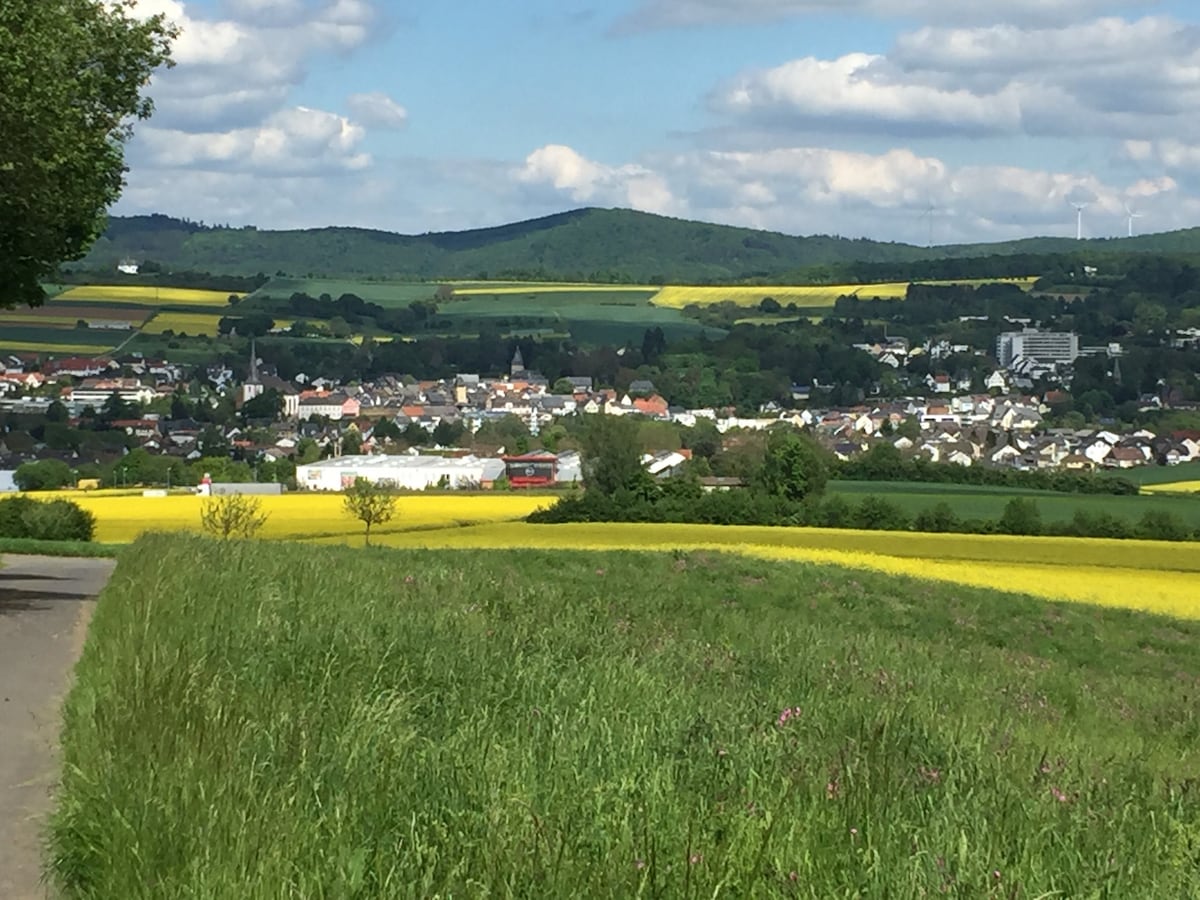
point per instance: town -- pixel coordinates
(131, 420)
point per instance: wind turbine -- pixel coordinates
(1079, 208)
(1131, 216)
(929, 211)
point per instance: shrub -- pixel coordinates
(876, 513)
(939, 518)
(57, 520)
(232, 515)
(1021, 516)
(1160, 525)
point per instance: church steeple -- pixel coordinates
(252, 375)
(518, 363)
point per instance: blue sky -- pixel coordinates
(854, 117)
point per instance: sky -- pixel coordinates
(904, 120)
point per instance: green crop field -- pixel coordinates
(972, 502)
(385, 293)
(35, 336)
(329, 722)
(588, 315)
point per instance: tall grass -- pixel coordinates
(260, 721)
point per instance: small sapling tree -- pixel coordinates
(232, 516)
(370, 504)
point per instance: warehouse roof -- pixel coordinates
(381, 461)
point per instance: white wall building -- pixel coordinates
(414, 473)
(1059, 347)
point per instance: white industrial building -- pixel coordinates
(414, 473)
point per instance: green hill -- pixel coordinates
(584, 245)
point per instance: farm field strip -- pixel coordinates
(194, 323)
(1172, 487)
(679, 296)
(49, 347)
(61, 315)
(145, 295)
(1148, 576)
(475, 288)
(123, 518)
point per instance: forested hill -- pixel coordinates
(584, 245)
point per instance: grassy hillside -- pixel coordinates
(581, 245)
(339, 723)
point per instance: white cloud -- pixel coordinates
(1110, 78)
(291, 142)
(653, 14)
(808, 190)
(573, 176)
(232, 71)
(377, 109)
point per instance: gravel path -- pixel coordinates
(45, 606)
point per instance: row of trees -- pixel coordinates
(788, 488)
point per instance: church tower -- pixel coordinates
(253, 386)
(518, 363)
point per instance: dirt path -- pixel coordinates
(45, 606)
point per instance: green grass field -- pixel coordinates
(587, 315)
(328, 722)
(971, 502)
(385, 293)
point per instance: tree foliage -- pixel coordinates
(370, 504)
(794, 468)
(232, 516)
(72, 74)
(611, 458)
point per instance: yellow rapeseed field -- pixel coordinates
(1154, 576)
(1173, 487)
(144, 294)
(38, 347)
(120, 518)
(183, 323)
(679, 296)
(513, 287)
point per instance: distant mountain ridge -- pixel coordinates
(587, 244)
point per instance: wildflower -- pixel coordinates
(996, 874)
(639, 864)
(832, 789)
(1059, 795)
(933, 776)
(793, 876)
(409, 579)
(600, 571)
(722, 752)
(696, 859)
(853, 833)
(788, 713)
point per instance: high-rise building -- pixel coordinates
(1059, 347)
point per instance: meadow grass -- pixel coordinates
(988, 502)
(257, 721)
(1145, 575)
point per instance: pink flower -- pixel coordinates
(696, 859)
(1059, 795)
(788, 713)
